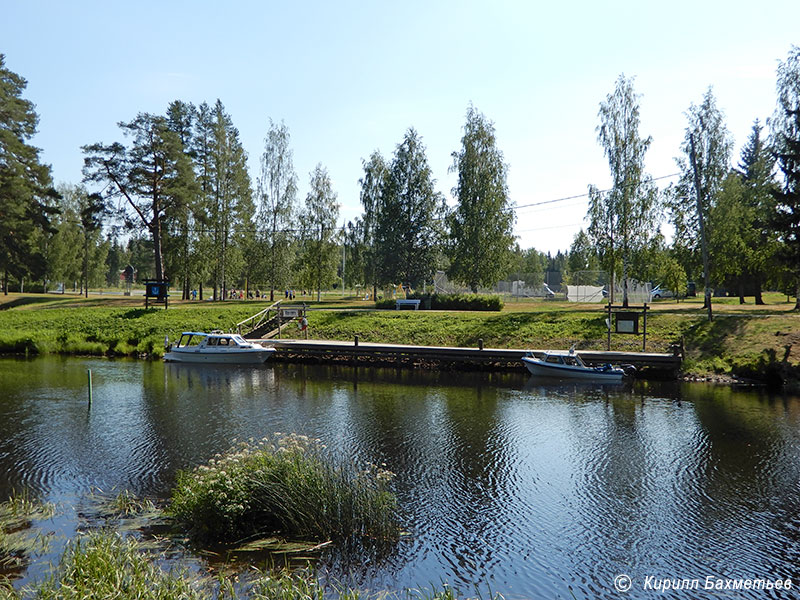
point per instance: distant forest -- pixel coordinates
(173, 198)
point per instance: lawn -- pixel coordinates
(743, 339)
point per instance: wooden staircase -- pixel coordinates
(262, 325)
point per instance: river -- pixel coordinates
(530, 490)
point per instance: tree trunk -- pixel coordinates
(759, 298)
(201, 290)
(741, 292)
(157, 249)
(797, 296)
(5, 282)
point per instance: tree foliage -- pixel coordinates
(276, 193)
(409, 227)
(712, 148)
(26, 188)
(319, 257)
(151, 177)
(374, 185)
(481, 227)
(786, 139)
(623, 219)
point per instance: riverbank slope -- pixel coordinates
(761, 343)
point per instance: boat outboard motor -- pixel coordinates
(629, 370)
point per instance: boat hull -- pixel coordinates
(229, 357)
(542, 369)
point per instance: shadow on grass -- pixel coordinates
(24, 301)
(710, 338)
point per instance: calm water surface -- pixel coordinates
(533, 491)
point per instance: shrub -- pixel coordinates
(461, 301)
(451, 302)
(389, 303)
(285, 486)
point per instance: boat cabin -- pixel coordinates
(212, 340)
(572, 360)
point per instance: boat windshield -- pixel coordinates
(189, 339)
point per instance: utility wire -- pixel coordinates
(516, 207)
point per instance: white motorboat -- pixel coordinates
(216, 347)
(568, 365)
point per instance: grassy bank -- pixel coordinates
(747, 340)
(104, 564)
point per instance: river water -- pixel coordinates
(530, 490)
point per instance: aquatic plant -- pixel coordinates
(285, 485)
(17, 541)
(103, 564)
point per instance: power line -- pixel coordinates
(584, 195)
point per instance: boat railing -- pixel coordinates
(258, 319)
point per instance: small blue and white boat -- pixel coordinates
(560, 364)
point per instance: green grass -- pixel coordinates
(286, 486)
(100, 565)
(749, 340)
(110, 331)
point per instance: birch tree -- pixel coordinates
(276, 193)
(786, 140)
(704, 164)
(319, 255)
(624, 219)
(481, 226)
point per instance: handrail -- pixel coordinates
(258, 314)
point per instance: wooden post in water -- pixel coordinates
(644, 330)
(89, 374)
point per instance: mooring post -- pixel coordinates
(89, 374)
(355, 341)
(644, 330)
(480, 343)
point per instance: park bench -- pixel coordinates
(398, 303)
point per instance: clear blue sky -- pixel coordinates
(351, 77)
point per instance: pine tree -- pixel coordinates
(152, 176)
(26, 187)
(756, 170)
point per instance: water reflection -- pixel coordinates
(535, 490)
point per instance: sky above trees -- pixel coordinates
(348, 78)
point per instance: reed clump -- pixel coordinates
(285, 485)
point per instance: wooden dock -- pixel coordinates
(648, 364)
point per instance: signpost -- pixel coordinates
(626, 320)
(156, 290)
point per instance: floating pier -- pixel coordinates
(648, 364)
